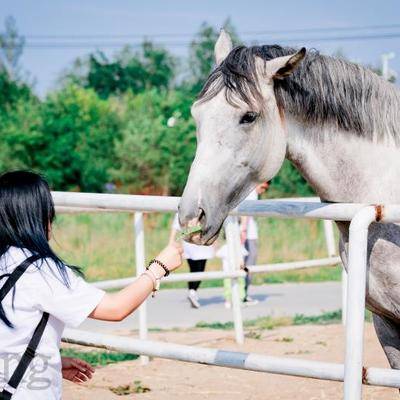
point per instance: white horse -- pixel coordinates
(337, 122)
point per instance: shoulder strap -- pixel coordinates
(15, 275)
(33, 344)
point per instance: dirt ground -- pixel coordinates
(181, 381)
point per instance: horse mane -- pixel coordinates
(322, 90)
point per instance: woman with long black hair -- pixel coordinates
(40, 293)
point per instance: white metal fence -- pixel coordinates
(233, 242)
(352, 372)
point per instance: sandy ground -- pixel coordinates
(181, 381)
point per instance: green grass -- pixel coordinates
(269, 323)
(225, 326)
(322, 274)
(96, 358)
(285, 339)
(125, 390)
(322, 319)
(103, 245)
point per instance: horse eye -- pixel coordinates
(248, 118)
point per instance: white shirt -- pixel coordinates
(39, 289)
(222, 253)
(193, 251)
(252, 229)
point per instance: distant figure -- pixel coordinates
(196, 257)
(222, 253)
(249, 237)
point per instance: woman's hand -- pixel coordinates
(76, 370)
(171, 256)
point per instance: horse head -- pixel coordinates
(241, 136)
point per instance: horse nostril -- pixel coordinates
(201, 217)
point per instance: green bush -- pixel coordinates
(20, 124)
(152, 156)
(78, 134)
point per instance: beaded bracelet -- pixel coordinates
(162, 265)
(156, 281)
(153, 281)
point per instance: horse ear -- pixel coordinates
(286, 65)
(223, 46)
(281, 67)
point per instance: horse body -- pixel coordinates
(343, 167)
(349, 169)
(338, 123)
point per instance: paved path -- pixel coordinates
(170, 307)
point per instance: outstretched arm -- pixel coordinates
(172, 235)
(117, 306)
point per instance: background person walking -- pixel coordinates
(223, 254)
(196, 257)
(249, 237)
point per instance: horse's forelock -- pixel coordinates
(238, 74)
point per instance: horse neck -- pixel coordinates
(343, 167)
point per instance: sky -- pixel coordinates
(183, 17)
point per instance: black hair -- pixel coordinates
(26, 214)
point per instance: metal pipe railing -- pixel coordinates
(235, 260)
(140, 268)
(230, 359)
(211, 275)
(356, 288)
(265, 208)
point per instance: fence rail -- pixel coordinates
(230, 359)
(265, 208)
(211, 275)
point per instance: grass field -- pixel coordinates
(103, 245)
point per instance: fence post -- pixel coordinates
(233, 242)
(344, 296)
(140, 268)
(356, 285)
(329, 238)
(332, 251)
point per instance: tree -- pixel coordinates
(20, 132)
(78, 133)
(20, 123)
(150, 67)
(154, 155)
(76, 74)
(11, 48)
(11, 91)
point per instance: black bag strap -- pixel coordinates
(15, 275)
(33, 344)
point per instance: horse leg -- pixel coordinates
(388, 333)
